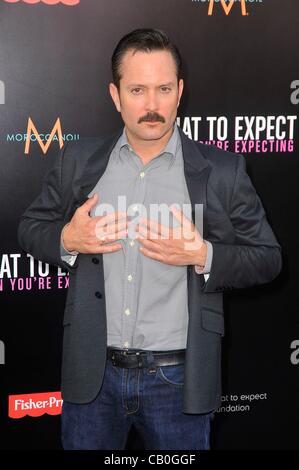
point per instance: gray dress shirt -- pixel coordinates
(146, 300)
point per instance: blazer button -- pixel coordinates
(98, 294)
(95, 260)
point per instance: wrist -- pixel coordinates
(66, 238)
(201, 256)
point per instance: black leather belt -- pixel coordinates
(132, 358)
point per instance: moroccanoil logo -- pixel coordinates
(44, 139)
(227, 6)
(70, 3)
(31, 129)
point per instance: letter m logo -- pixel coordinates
(227, 6)
(31, 129)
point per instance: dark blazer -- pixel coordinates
(245, 253)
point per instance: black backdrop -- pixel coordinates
(55, 63)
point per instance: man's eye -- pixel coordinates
(136, 91)
(165, 89)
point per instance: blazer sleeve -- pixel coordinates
(255, 256)
(41, 224)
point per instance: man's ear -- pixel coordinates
(181, 87)
(115, 96)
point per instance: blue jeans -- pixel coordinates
(149, 399)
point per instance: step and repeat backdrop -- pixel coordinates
(241, 74)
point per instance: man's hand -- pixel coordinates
(87, 234)
(181, 245)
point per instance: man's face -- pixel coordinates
(149, 93)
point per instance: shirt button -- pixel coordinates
(95, 260)
(142, 174)
(130, 277)
(127, 311)
(132, 243)
(98, 294)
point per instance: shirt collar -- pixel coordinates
(170, 148)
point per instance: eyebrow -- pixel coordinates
(144, 86)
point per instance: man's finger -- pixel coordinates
(110, 229)
(185, 223)
(180, 216)
(150, 244)
(115, 236)
(106, 248)
(88, 205)
(154, 228)
(110, 218)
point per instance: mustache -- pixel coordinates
(151, 117)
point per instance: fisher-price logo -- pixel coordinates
(34, 404)
(69, 3)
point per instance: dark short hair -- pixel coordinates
(145, 40)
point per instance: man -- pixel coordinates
(143, 319)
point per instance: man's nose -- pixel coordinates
(152, 101)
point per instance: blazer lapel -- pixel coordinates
(197, 170)
(94, 169)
